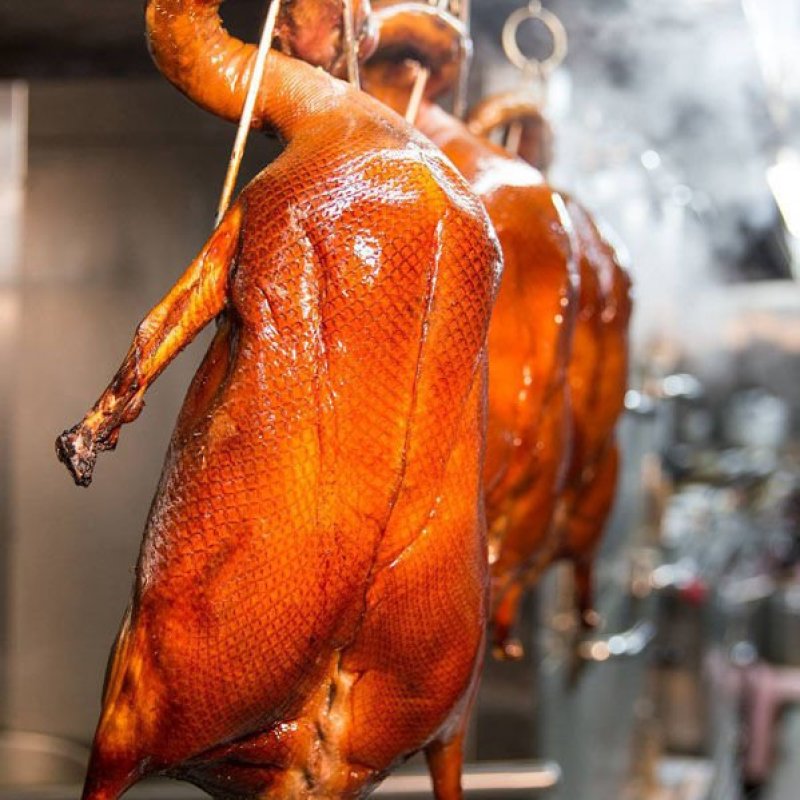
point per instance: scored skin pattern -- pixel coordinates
(309, 606)
(598, 379)
(558, 355)
(557, 341)
(530, 336)
(530, 344)
(530, 341)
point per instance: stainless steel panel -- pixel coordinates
(33, 759)
(498, 780)
(13, 162)
(123, 179)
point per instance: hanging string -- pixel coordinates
(350, 43)
(246, 120)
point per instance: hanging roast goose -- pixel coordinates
(598, 368)
(309, 602)
(531, 330)
(559, 327)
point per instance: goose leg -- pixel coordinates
(197, 297)
(445, 762)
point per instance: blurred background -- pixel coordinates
(679, 124)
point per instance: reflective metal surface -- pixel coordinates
(627, 644)
(486, 780)
(497, 780)
(591, 704)
(13, 163)
(33, 760)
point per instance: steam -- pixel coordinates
(663, 129)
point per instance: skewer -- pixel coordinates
(350, 43)
(415, 101)
(514, 138)
(246, 120)
(423, 75)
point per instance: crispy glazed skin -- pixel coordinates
(530, 336)
(598, 379)
(309, 603)
(531, 330)
(558, 354)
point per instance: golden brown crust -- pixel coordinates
(310, 598)
(529, 348)
(558, 353)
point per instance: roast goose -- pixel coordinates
(558, 337)
(598, 369)
(309, 602)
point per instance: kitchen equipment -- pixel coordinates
(486, 782)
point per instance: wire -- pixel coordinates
(246, 120)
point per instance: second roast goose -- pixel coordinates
(558, 337)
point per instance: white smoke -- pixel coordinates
(665, 128)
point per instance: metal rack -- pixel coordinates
(498, 780)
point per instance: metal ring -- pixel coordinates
(555, 28)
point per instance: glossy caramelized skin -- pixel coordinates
(528, 439)
(558, 332)
(531, 330)
(309, 603)
(500, 111)
(598, 378)
(598, 365)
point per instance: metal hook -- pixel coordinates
(246, 120)
(535, 69)
(531, 64)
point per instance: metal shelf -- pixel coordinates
(490, 780)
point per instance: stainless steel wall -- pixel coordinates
(122, 185)
(13, 142)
